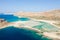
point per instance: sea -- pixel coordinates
(14, 33)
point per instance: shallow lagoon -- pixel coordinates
(47, 26)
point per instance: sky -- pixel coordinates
(28, 5)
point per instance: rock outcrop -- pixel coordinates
(3, 23)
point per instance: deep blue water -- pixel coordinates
(12, 33)
(11, 18)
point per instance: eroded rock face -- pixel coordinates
(3, 22)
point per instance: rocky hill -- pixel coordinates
(48, 15)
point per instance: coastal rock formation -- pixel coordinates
(3, 23)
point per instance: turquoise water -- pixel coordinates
(11, 18)
(24, 19)
(43, 25)
(12, 33)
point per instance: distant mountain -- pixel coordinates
(55, 12)
(48, 15)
